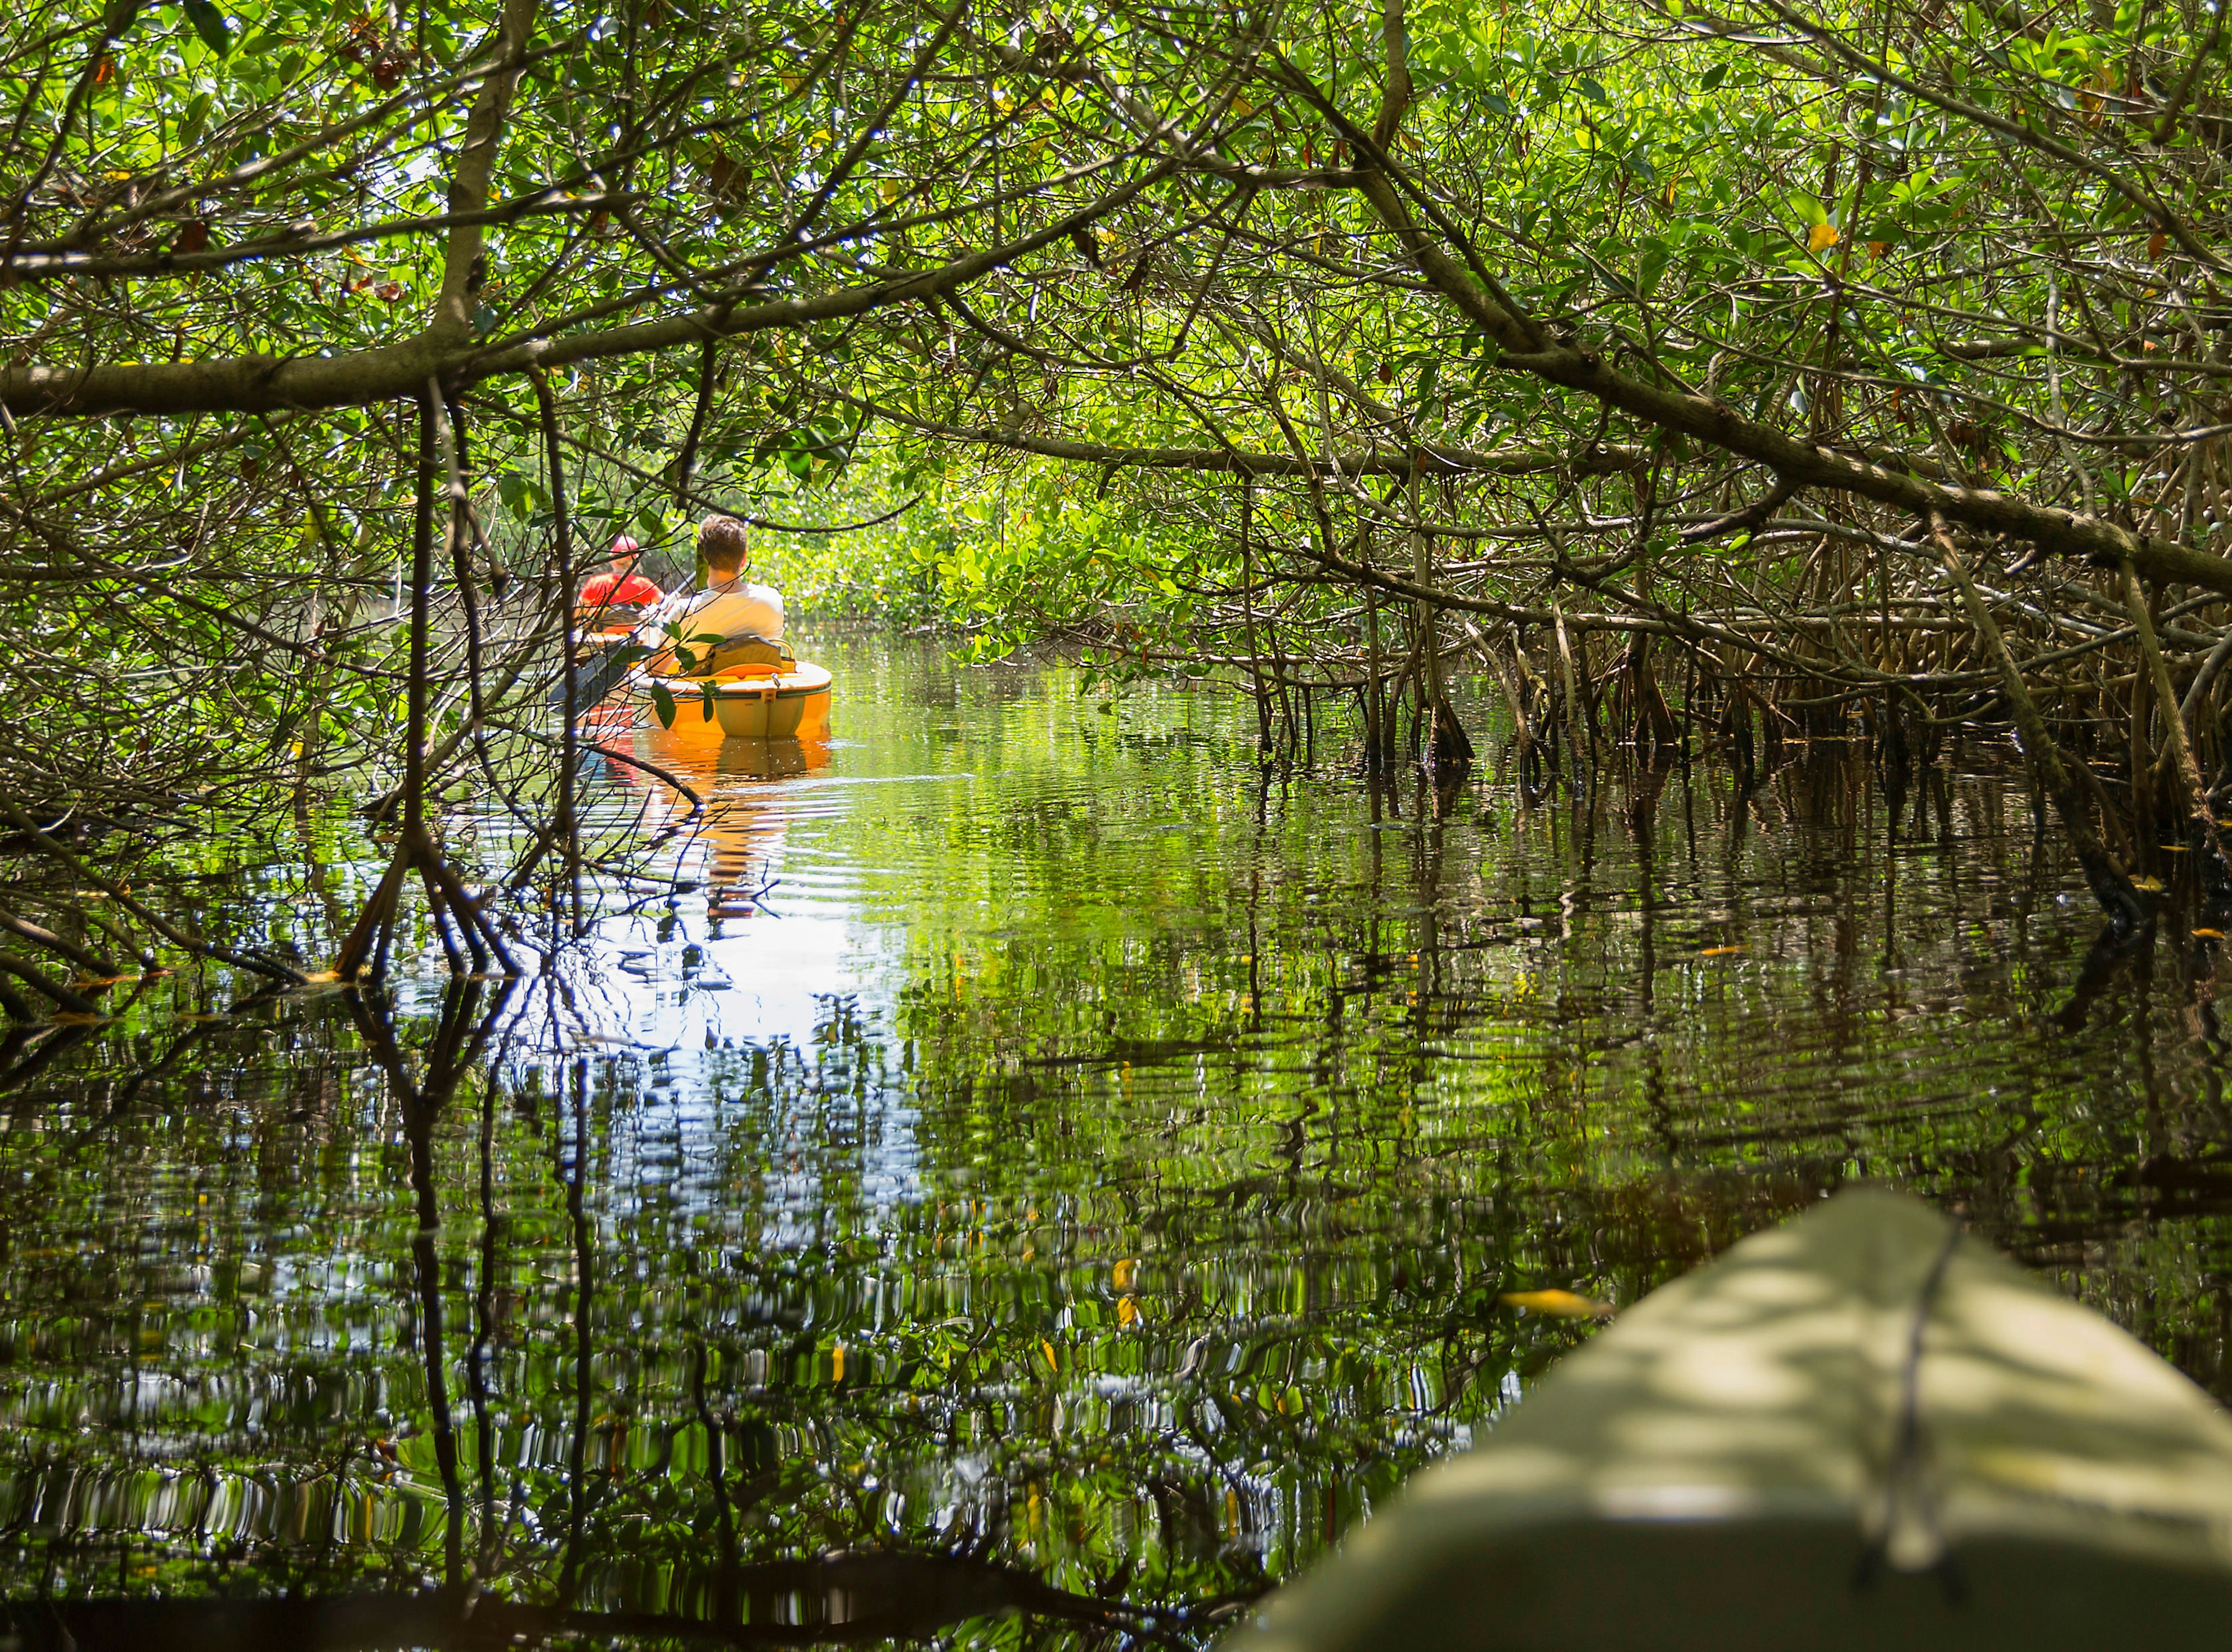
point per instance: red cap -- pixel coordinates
(622, 547)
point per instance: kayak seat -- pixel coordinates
(743, 655)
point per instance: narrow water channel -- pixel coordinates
(1046, 1176)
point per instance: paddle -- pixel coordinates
(702, 655)
(600, 676)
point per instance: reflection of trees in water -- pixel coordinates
(1192, 1245)
(549, 1388)
(1653, 1016)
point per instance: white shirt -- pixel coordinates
(724, 611)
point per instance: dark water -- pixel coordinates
(1076, 1190)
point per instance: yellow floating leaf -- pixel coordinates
(2152, 886)
(2209, 935)
(1821, 237)
(1721, 952)
(1047, 1348)
(1127, 1312)
(1557, 1305)
(1125, 1274)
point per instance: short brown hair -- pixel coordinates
(722, 541)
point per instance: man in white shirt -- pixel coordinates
(729, 606)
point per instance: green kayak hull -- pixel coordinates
(1858, 1429)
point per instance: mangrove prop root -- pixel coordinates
(1447, 750)
(2111, 883)
(2187, 768)
(92, 963)
(417, 851)
(364, 950)
(269, 967)
(28, 971)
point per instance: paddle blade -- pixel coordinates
(599, 677)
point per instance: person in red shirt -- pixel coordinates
(620, 588)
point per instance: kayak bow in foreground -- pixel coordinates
(1858, 1429)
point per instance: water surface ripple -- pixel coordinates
(1049, 1174)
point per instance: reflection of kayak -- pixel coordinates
(752, 704)
(1856, 1430)
(741, 829)
(699, 753)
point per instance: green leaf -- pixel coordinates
(209, 22)
(1711, 78)
(663, 703)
